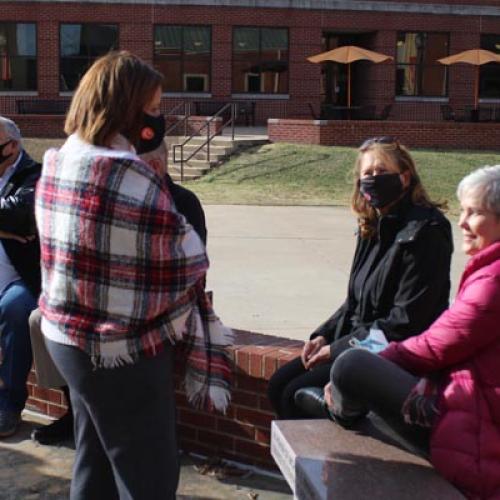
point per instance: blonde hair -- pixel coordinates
(111, 97)
(388, 149)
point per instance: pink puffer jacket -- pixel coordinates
(464, 345)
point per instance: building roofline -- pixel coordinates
(357, 5)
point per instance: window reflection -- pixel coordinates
(489, 74)
(80, 46)
(183, 55)
(417, 72)
(260, 60)
(18, 57)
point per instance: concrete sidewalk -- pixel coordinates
(284, 270)
(32, 472)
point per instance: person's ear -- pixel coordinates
(405, 179)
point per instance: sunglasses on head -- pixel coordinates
(386, 139)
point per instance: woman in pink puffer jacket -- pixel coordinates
(442, 387)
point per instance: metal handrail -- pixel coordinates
(186, 112)
(231, 121)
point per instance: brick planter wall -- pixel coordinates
(52, 126)
(436, 135)
(243, 434)
(43, 126)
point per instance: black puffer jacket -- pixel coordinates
(408, 284)
(17, 216)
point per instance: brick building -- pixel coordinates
(256, 50)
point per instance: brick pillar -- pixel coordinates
(304, 77)
(48, 58)
(221, 62)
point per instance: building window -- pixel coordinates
(18, 56)
(489, 74)
(260, 60)
(418, 72)
(80, 46)
(183, 55)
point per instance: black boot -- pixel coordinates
(311, 402)
(59, 431)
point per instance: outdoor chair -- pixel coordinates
(366, 113)
(314, 115)
(386, 111)
(486, 114)
(447, 112)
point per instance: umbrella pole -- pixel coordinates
(476, 89)
(349, 85)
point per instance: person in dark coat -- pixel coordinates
(19, 272)
(399, 281)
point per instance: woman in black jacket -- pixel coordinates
(399, 281)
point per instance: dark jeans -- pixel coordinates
(293, 376)
(16, 304)
(288, 379)
(362, 381)
(124, 427)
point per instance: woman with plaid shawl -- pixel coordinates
(122, 279)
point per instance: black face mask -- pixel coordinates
(2, 147)
(381, 190)
(152, 133)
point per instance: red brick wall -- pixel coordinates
(438, 135)
(375, 84)
(52, 126)
(46, 126)
(243, 434)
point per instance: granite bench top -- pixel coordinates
(321, 460)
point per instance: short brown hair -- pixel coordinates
(391, 149)
(111, 97)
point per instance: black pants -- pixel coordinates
(293, 376)
(362, 381)
(124, 427)
(288, 379)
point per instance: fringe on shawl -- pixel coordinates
(208, 367)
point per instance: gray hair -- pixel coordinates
(484, 181)
(11, 129)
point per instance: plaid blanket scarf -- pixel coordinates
(122, 271)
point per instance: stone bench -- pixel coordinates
(322, 461)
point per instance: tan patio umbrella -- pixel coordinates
(476, 57)
(346, 55)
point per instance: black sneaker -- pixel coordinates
(9, 422)
(57, 432)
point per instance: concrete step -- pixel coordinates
(176, 177)
(189, 168)
(214, 148)
(215, 154)
(221, 149)
(219, 141)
